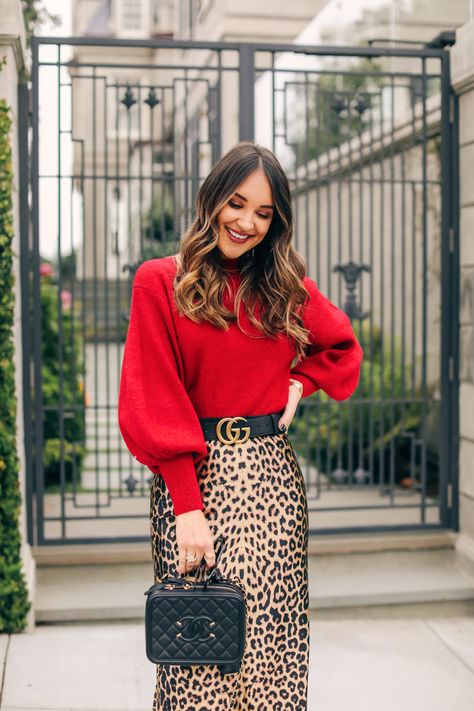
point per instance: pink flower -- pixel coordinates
(66, 299)
(46, 269)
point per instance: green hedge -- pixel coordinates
(14, 603)
(338, 437)
(64, 380)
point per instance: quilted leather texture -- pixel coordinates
(195, 625)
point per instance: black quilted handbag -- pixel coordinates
(196, 622)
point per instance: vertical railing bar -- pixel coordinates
(360, 407)
(403, 294)
(424, 327)
(350, 177)
(447, 449)
(371, 463)
(329, 258)
(340, 184)
(186, 177)
(318, 270)
(218, 106)
(62, 473)
(151, 130)
(106, 292)
(96, 299)
(403, 299)
(453, 516)
(176, 183)
(414, 289)
(306, 161)
(393, 288)
(163, 184)
(307, 252)
(37, 309)
(382, 299)
(83, 283)
(73, 497)
(75, 373)
(26, 325)
(116, 251)
(272, 69)
(246, 92)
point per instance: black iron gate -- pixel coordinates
(122, 134)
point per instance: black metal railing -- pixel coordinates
(122, 134)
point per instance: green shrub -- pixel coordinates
(157, 228)
(14, 603)
(342, 437)
(67, 377)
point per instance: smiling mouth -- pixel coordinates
(238, 236)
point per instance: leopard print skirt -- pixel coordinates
(254, 494)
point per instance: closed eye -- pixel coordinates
(235, 205)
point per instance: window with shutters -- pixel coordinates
(133, 18)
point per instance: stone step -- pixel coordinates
(398, 583)
(139, 552)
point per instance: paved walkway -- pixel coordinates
(369, 664)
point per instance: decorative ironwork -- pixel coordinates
(152, 100)
(351, 273)
(128, 99)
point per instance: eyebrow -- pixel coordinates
(270, 207)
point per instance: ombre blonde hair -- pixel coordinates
(272, 272)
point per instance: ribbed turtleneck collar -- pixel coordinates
(230, 264)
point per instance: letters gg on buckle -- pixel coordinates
(232, 434)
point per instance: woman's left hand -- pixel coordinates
(290, 409)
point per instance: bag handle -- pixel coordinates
(181, 580)
(220, 540)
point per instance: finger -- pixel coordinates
(192, 564)
(282, 423)
(210, 558)
(184, 565)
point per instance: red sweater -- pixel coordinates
(175, 371)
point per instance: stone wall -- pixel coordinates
(462, 78)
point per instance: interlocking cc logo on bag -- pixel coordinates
(232, 434)
(195, 628)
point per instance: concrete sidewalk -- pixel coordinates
(369, 664)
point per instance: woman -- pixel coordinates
(205, 402)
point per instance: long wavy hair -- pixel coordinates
(272, 271)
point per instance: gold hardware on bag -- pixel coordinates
(232, 434)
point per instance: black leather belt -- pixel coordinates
(233, 430)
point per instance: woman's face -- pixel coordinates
(245, 219)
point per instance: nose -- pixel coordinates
(245, 225)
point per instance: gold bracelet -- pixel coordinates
(297, 384)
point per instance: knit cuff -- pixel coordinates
(180, 477)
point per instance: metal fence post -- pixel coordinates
(246, 92)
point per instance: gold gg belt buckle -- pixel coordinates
(232, 434)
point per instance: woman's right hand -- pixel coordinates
(194, 537)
